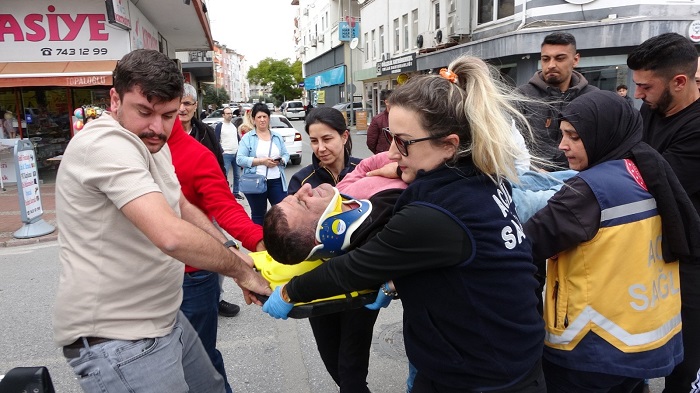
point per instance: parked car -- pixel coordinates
(294, 110)
(356, 106)
(270, 106)
(215, 117)
(292, 137)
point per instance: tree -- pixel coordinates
(281, 76)
(214, 96)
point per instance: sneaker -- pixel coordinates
(227, 309)
(239, 197)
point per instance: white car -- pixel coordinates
(292, 137)
(215, 117)
(294, 110)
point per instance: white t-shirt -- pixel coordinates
(263, 150)
(229, 138)
(114, 282)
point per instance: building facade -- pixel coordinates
(399, 38)
(59, 56)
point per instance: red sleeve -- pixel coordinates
(213, 195)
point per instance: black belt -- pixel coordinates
(72, 350)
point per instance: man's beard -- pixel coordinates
(663, 103)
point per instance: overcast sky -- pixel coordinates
(254, 28)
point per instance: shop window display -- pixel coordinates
(46, 114)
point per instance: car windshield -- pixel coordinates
(295, 105)
(279, 122)
(217, 113)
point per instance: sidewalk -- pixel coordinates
(11, 221)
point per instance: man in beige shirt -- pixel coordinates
(126, 230)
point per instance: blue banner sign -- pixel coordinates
(335, 76)
(347, 33)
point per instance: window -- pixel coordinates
(367, 54)
(436, 14)
(381, 39)
(404, 19)
(491, 10)
(397, 35)
(414, 33)
(374, 45)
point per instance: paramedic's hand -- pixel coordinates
(276, 306)
(382, 300)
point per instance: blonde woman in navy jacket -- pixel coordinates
(454, 246)
(612, 303)
(256, 155)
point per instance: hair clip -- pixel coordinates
(449, 75)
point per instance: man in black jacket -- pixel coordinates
(663, 68)
(555, 85)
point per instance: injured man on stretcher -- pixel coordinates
(322, 222)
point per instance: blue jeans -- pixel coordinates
(230, 163)
(200, 304)
(258, 202)
(174, 363)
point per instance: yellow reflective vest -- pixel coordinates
(613, 298)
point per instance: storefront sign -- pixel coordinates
(347, 33)
(694, 31)
(143, 35)
(49, 30)
(80, 81)
(397, 65)
(321, 97)
(335, 76)
(28, 191)
(28, 184)
(118, 13)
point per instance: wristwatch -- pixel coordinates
(232, 243)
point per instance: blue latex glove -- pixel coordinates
(276, 307)
(382, 301)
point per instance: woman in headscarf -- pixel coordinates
(612, 303)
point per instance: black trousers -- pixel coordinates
(564, 380)
(343, 340)
(533, 382)
(686, 372)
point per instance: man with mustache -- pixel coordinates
(126, 230)
(556, 84)
(663, 68)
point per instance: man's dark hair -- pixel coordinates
(286, 245)
(385, 94)
(154, 73)
(259, 107)
(559, 38)
(667, 55)
(621, 87)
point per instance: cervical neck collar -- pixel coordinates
(335, 228)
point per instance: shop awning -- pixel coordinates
(57, 73)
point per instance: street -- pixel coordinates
(262, 355)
